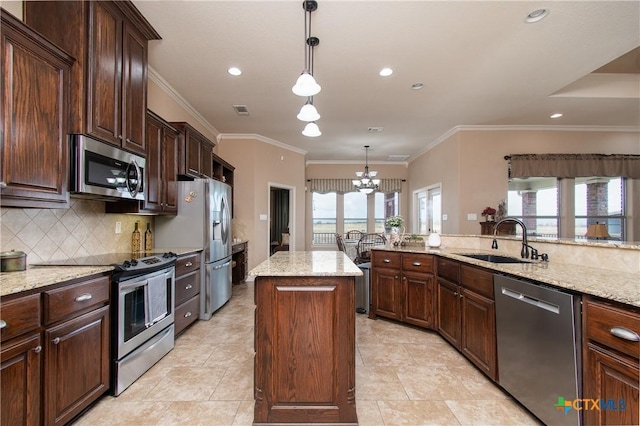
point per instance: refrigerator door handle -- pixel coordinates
(225, 220)
(221, 266)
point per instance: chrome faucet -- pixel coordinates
(524, 253)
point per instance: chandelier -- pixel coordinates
(366, 181)
(306, 85)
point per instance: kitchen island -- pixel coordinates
(305, 338)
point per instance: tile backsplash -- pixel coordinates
(81, 230)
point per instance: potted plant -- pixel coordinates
(488, 214)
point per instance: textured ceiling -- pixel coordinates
(480, 63)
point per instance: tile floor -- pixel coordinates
(404, 376)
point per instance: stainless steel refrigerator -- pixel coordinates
(203, 221)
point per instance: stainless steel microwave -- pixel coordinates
(103, 171)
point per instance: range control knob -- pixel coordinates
(134, 262)
(126, 264)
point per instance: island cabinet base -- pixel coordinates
(305, 350)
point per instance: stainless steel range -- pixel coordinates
(142, 314)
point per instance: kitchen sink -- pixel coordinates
(494, 258)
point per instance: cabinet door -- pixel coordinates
(81, 344)
(35, 111)
(105, 75)
(386, 292)
(134, 90)
(612, 378)
(449, 311)
(170, 171)
(153, 169)
(192, 146)
(418, 307)
(478, 338)
(206, 161)
(20, 366)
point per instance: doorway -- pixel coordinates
(281, 217)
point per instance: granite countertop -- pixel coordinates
(306, 264)
(622, 287)
(41, 276)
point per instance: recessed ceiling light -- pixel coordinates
(234, 71)
(536, 15)
(386, 72)
(556, 115)
(417, 86)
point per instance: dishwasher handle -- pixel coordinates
(531, 300)
(625, 333)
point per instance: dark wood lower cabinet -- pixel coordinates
(76, 365)
(448, 311)
(478, 331)
(611, 358)
(20, 378)
(305, 350)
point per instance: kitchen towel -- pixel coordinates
(156, 299)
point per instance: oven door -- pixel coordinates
(105, 170)
(135, 324)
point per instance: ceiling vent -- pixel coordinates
(375, 129)
(398, 157)
(241, 109)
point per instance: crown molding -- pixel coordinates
(255, 136)
(357, 162)
(169, 90)
(494, 128)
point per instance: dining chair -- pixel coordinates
(354, 235)
(364, 246)
(340, 242)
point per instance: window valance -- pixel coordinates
(342, 186)
(574, 165)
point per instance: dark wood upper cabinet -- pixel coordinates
(109, 79)
(194, 152)
(35, 101)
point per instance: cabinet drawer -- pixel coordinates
(187, 313)
(385, 259)
(187, 286)
(448, 269)
(478, 280)
(605, 320)
(187, 264)
(20, 316)
(72, 299)
(417, 263)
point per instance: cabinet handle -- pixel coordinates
(37, 349)
(3, 184)
(625, 333)
(396, 277)
(194, 171)
(84, 297)
(3, 324)
(188, 287)
(188, 264)
(187, 315)
(120, 137)
(455, 293)
(56, 340)
(387, 260)
(417, 264)
(128, 140)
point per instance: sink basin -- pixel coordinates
(494, 258)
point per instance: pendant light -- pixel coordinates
(306, 85)
(308, 112)
(311, 130)
(366, 182)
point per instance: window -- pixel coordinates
(428, 214)
(386, 205)
(340, 213)
(535, 202)
(324, 218)
(599, 200)
(355, 212)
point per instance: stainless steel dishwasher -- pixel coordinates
(539, 355)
